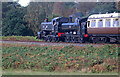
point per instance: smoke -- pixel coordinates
(23, 3)
(15, 0)
(76, 1)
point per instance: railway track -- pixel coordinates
(53, 43)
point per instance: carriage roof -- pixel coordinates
(107, 15)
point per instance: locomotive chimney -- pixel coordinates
(46, 20)
(70, 19)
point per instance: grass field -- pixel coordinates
(19, 38)
(30, 72)
(73, 59)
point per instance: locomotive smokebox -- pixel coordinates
(70, 19)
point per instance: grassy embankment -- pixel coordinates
(52, 59)
(19, 38)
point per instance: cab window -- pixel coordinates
(119, 22)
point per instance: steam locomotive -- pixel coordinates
(95, 28)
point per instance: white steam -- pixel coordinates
(23, 3)
(15, 0)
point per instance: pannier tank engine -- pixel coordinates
(63, 29)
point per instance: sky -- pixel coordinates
(23, 3)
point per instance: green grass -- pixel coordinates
(30, 72)
(71, 58)
(20, 38)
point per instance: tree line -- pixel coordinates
(25, 21)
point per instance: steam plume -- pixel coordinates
(23, 3)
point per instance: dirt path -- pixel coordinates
(49, 43)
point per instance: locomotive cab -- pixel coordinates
(83, 29)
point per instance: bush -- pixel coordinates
(65, 58)
(19, 38)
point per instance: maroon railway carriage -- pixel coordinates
(104, 27)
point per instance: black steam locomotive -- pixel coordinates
(63, 29)
(95, 28)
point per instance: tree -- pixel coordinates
(13, 23)
(36, 13)
(118, 6)
(103, 7)
(63, 9)
(58, 9)
(85, 7)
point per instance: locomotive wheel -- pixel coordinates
(90, 40)
(57, 39)
(67, 39)
(45, 39)
(49, 39)
(77, 40)
(94, 41)
(73, 39)
(105, 40)
(81, 40)
(53, 39)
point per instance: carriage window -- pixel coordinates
(93, 23)
(115, 23)
(100, 23)
(43, 26)
(119, 22)
(107, 23)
